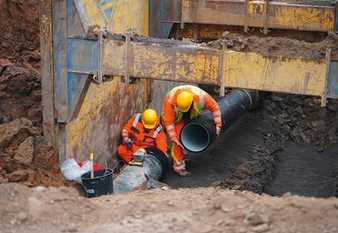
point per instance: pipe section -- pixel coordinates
(197, 135)
(155, 167)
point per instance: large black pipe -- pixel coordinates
(197, 135)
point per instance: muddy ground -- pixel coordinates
(288, 145)
(184, 210)
(275, 149)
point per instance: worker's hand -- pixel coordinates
(177, 143)
(218, 131)
(126, 140)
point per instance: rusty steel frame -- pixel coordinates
(188, 62)
(258, 13)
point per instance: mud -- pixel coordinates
(25, 156)
(19, 38)
(185, 210)
(301, 170)
(287, 145)
(277, 46)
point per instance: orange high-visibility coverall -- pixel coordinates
(174, 121)
(141, 137)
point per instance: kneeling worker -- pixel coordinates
(140, 132)
(182, 104)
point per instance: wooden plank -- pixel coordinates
(60, 59)
(280, 14)
(47, 76)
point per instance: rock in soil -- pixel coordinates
(24, 153)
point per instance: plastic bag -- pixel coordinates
(72, 171)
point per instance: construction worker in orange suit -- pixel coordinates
(182, 104)
(140, 132)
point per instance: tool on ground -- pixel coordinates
(138, 157)
(129, 143)
(91, 158)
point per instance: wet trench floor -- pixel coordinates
(233, 162)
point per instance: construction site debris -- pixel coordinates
(277, 46)
(24, 153)
(25, 210)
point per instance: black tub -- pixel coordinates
(101, 184)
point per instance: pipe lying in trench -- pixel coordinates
(197, 135)
(155, 166)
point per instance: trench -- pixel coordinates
(249, 157)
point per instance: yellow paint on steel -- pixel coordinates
(278, 74)
(107, 106)
(280, 14)
(175, 63)
(192, 63)
(296, 17)
(129, 15)
(94, 13)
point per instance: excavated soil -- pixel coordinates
(24, 154)
(286, 146)
(184, 210)
(289, 144)
(277, 46)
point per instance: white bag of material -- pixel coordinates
(72, 171)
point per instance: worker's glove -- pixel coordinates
(218, 130)
(128, 142)
(177, 143)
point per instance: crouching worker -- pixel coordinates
(142, 131)
(181, 105)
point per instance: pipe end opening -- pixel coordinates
(195, 137)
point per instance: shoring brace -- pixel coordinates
(324, 94)
(98, 77)
(221, 72)
(128, 57)
(266, 17)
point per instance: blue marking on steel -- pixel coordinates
(332, 83)
(83, 59)
(69, 9)
(82, 55)
(165, 28)
(108, 12)
(101, 4)
(74, 91)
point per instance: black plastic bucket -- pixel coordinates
(101, 184)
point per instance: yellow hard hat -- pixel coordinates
(184, 101)
(149, 118)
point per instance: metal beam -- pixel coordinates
(279, 15)
(188, 62)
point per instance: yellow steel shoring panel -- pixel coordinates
(280, 14)
(279, 74)
(118, 16)
(106, 107)
(201, 65)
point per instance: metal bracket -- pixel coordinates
(327, 61)
(221, 72)
(266, 16)
(335, 29)
(127, 58)
(181, 16)
(246, 14)
(98, 77)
